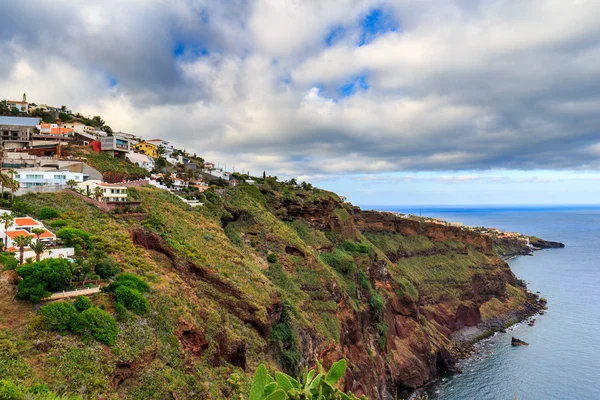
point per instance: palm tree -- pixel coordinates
(14, 186)
(38, 248)
(6, 219)
(71, 183)
(98, 193)
(22, 241)
(4, 181)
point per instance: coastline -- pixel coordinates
(468, 337)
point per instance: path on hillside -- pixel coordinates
(73, 293)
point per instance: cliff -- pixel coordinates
(279, 275)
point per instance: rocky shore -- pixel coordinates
(512, 247)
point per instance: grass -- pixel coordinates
(104, 163)
(324, 278)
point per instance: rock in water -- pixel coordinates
(518, 342)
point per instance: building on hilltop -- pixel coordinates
(54, 129)
(33, 177)
(141, 159)
(23, 226)
(22, 106)
(111, 193)
(115, 145)
(16, 132)
(149, 149)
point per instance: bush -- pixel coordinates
(9, 391)
(129, 280)
(59, 315)
(82, 303)
(59, 223)
(95, 323)
(107, 268)
(377, 303)
(132, 299)
(20, 208)
(341, 261)
(49, 213)
(41, 278)
(8, 261)
(272, 258)
(75, 237)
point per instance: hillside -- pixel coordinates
(280, 275)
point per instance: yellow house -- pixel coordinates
(149, 149)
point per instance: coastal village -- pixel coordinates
(48, 149)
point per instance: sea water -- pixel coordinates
(562, 360)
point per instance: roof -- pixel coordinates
(47, 235)
(14, 234)
(19, 121)
(137, 157)
(26, 221)
(17, 101)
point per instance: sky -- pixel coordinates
(385, 102)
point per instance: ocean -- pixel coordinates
(562, 360)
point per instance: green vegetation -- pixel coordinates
(58, 315)
(8, 261)
(340, 261)
(42, 278)
(315, 385)
(82, 303)
(48, 213)
(109, 166)
(77, 238)
(97, 324)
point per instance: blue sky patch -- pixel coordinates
(192, 51)
(353, 85)
(375, 23)
(334, 35)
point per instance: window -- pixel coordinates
(34, 176)
(60, 177)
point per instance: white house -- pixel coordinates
(110, 192)
(31, 177)
(23, 226)
(141, 159)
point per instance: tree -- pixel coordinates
(71, 183)
(7, 220)
(38, 232)
(98, 193)
(22, 241)
(106, 129)
(4, 181)
(97, 121)
(38, 248)
(4, 109)
(13, 184)
(42, 278)
(161, 150)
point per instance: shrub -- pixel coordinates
(59, 223)
(130, 280)
(49, 213)
(106, 268)
(8, 261)
(377, 303)
(9, 391)
(58, 315)
(354, 247)
(82, 303)
(41, 278)
(132, 299)
(20, 208)
(96, 324)
(341, 261)
(75, 237)
(272, 258)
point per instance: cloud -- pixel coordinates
(318, 88)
